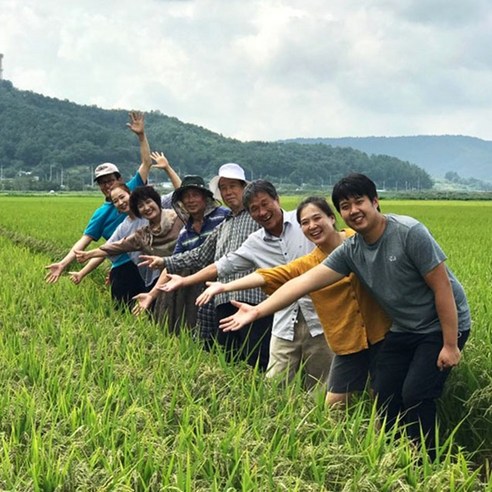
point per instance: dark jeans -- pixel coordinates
(408, 382)
(251, 344)
(126, 282)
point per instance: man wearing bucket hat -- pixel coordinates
(201, 213)
(252, 345)
(199, 210)
(106, 218)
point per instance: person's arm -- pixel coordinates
(77, 277)
(248, 282)
(56, 269)
(438, 281)
(314, 279)
(152, 261)
(176, 282)
(137, 126)
(161, 162)
(83, 256)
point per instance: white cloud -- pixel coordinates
(263, 69)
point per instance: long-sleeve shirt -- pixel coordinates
(160, 243)
(350, 316)
(189, 238)
(264, 250)
(226, 237)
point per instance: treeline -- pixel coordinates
(46, 142)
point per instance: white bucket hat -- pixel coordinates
(229, 170)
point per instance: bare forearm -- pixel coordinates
(146, 161)
(173, 177)
(207, 273)
(81, 244)
(248, 282)
(314, 279)
(91, 266)
(162, 280)
(448, 317)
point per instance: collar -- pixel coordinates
(289, 218)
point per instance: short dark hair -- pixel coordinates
(353, 185)
(258, 186)
(317, 201)
(140, 194)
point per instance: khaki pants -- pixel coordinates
(310, 353)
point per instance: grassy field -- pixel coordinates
(92, 399)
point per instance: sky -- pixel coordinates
(263, 69)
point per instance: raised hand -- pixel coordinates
(155, 262)
(245, 315)
(175, 282)
(55, 270)
(160, 160)
(208, 294)
(136, 123)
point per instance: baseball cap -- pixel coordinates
(229, 170)
(105, 169)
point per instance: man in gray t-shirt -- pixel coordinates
(402, 265)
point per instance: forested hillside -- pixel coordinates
(439, 155)
(45, 142)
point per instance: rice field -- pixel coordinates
(96, 400)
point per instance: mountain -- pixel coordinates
(438, 155)
(46, 142)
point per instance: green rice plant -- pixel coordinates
(94, 399)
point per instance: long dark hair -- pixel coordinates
(317, 201)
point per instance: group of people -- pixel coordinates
(287, 291)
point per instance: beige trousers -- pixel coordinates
(311, 354)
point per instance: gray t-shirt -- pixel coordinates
(393, 270)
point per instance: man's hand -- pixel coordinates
(175, 282)
(136, 123)
(143, 302)
(245, 315)
(55, 270)
(448, 357)
(160, 160)
(154, 262)
(208, 294)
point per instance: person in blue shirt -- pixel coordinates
(106, 218)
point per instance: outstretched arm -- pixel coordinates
(248, 282)
(176, 282)
(137, 126)
(56, 269)
(83, 256)
(77, 277)
(161, 162)
(314, 279)
(438, 280)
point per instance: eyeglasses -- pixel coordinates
(104, 182)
